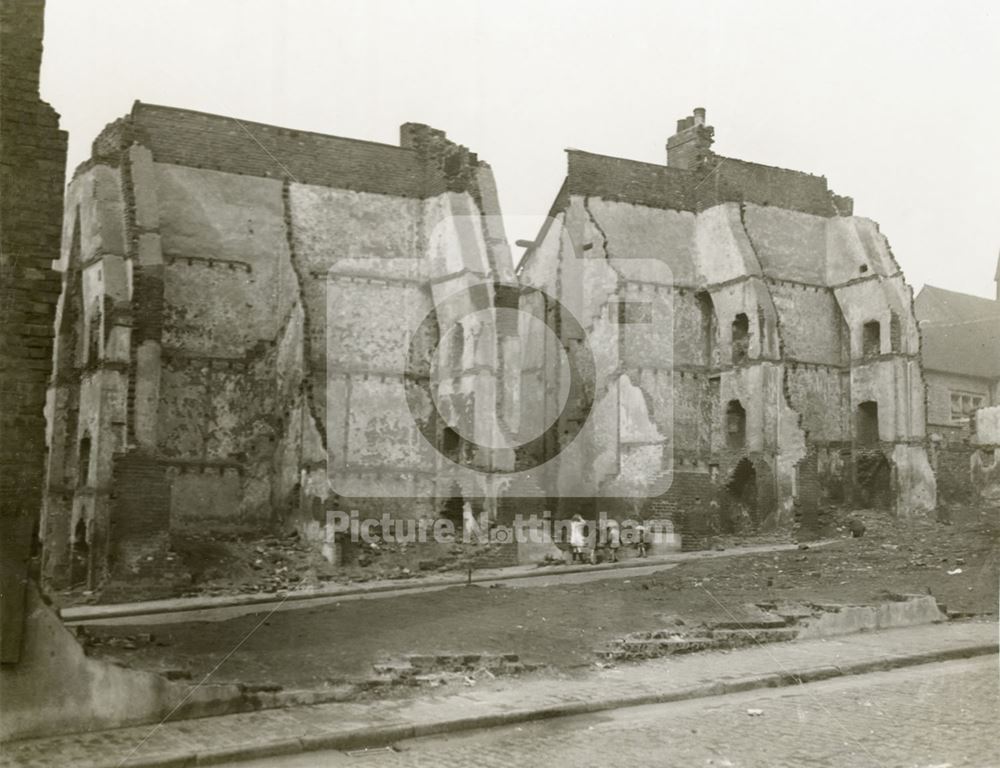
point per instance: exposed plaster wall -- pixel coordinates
(789, 244)
(638, 232)
(356, 232)
(988, 426)
(798, 278)
(916, 486)
(812, 327)
(981, 483)
(229, 287)
(893, 377)
(852, 243)
(620, 446)
(985, 475)
(228, 279)
(822, 396)
(230, 272)
(91, 376)
(378, 266)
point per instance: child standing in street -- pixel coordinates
(613, 541)
(577, 538)
(640, 539)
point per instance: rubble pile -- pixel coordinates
(756, 624)
(446, 668)
(222, 564)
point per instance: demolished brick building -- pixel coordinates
(230, 338)
(191, 378)
(795, 380)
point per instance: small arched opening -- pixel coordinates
(83, 463)
(741, 338)
(895, 333)
(871, 339)
(736, 425)
(866, 430)
(452, 510)
(873, 477)
(709, 325)
(79, 567)
(94, 335)
(741, 489)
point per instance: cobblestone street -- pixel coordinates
(935, 715)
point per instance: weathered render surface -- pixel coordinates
(984, 463)
(222, 282)
(55, 688)
(794, 379)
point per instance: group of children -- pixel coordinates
(610, 542)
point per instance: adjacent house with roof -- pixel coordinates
(960, 347)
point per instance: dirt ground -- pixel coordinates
(559, 626)
(219, 563)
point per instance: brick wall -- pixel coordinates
(140, 514)
(691, 429)
(693, 504)
(201, 140)
(450, 167)
(32, 172)
(730, 180)
(630, 181)
(954, 477)
(425, 164)
(779, 187)
(811, 493)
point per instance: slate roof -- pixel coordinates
(960, 333)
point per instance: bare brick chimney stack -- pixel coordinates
(691, 146)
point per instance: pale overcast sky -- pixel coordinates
(896, 103)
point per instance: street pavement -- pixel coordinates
(523, 700)
(225, 612)
(939, 715)
(223, 607)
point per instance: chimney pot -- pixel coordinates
(692, 144)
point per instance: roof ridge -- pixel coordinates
(929, 287)
(139, 105)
